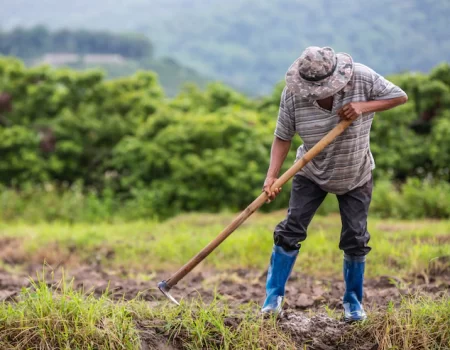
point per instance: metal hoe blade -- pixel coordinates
(165, 289)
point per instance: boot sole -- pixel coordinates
(352, 320)
(275, 314)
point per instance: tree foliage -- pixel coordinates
(32, 44)
(37, 41)
(202, 150)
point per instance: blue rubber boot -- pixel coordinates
(354, 277)
(281, 264)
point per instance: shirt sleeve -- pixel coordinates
(285, 128)
(383, 89)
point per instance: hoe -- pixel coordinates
(166, 286)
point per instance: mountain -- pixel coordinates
(250, 44)
(116, 54)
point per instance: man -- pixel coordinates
(321, 88)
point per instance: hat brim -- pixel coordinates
(323, 88)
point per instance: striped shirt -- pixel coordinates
(347, 162)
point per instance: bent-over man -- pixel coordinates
(321, 88)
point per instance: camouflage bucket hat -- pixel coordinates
(319, 73)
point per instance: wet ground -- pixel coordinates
(238, 286)
(304, 294)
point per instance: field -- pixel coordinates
(97, 178)
(93, 286)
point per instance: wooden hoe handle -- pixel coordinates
(258, 202)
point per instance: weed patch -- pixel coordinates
(419, 323)
(398, 248)
(42, 319)
(56, 316)
(216, 325)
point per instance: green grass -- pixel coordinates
(58, 317)
(399, 247)
(217, 325)
(418, 323)
(41, 319)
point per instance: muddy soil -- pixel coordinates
(241, 286)
(304, 294)
(237, 286)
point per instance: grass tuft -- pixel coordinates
(216, 326)
(43, 319)
(57, 317)
(419, 323)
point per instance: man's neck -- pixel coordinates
(326, 103)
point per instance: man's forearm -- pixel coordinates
(383, 105)
(280, 149)
(353, 110)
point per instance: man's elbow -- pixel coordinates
(403, 99)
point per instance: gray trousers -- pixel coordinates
(306, 198)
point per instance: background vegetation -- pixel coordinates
(135, 53)
(37, 41)
(250, 44)
(84, 145)
(404, 249)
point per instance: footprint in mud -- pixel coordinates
(320, 332)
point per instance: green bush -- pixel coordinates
(201, 151)
(49, 203)
(20, 160)
(77, 203)
(415, 199)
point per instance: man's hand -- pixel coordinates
(266, 188)
(352, 110)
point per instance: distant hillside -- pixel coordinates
(251, 43)
(116, 54)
